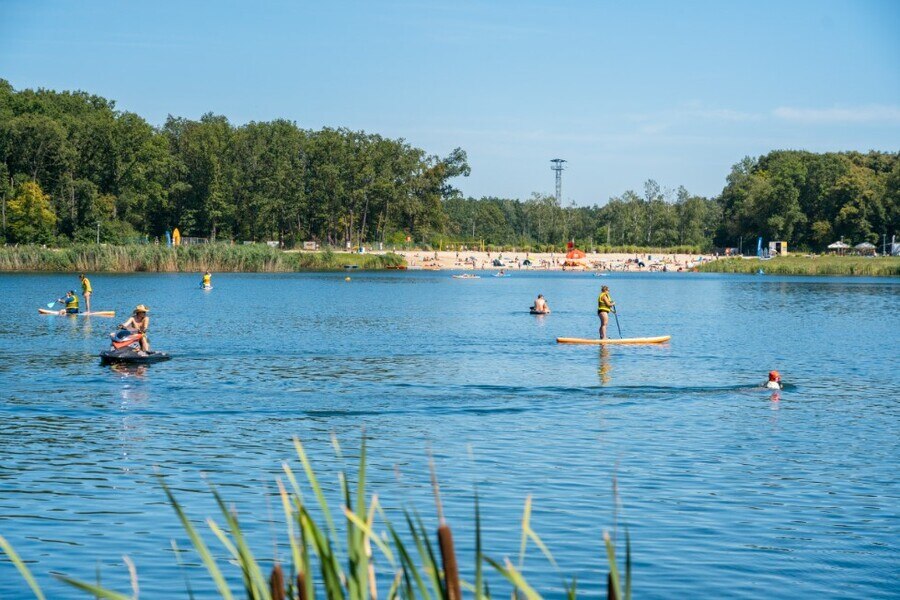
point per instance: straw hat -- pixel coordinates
(141, 308)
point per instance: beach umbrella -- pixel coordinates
(865, 246)
(838, 246)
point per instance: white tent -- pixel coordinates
(838, 247)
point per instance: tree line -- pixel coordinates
(73, 167)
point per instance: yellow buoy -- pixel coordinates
(346, 279)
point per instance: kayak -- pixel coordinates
(129, 356)
(96, 313)
(647, 340)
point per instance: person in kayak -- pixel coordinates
(774, 382)
(71, 302)
(605, 304)
(207, 280)
(139, 322)
(540, 305)
(86, 291)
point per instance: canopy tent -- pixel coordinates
(865, 248)
(838, 247)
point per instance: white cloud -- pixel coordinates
(857, 114)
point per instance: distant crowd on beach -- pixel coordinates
(550, 261)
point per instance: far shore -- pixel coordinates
(552, 261)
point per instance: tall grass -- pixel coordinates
(886, 266)
(334, 554)
(213, 257)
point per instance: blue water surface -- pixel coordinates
(725, 489)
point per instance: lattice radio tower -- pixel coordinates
(558, 167)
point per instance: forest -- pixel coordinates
(74, 168)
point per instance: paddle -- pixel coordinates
(50, 304)
(615, 312)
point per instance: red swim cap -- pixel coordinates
(774, 376)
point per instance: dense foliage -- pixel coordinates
(72, 167)
(259, 181)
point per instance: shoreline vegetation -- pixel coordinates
(883, 266)
(404, 558)
(259, 258)
(221, 258)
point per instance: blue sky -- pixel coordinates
(625, 91)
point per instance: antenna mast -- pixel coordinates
(558, 167)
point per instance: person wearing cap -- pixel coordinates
(774, 382)
(139, 322)
(604, 305)
(86, 291)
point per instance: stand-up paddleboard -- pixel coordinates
(96, 313)
(647, 340)
(206, 288)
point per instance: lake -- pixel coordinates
(725, 490)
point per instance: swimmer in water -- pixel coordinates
(774, 382)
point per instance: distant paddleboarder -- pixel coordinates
(605, 305)
(86, 291)
(540, 305)
(207, 281)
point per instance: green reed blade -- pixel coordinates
(289, 522)
(515, 577)
(198, 544)
(314, 483)
(246, 558)
(96, 590)
(613, 568)
(22, 568)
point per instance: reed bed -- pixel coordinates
(351, 552)
(202, 257)
(882, 266)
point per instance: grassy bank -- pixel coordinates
(356, 549)
(888, 266)
(213, 257)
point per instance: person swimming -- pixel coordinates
(774, 382)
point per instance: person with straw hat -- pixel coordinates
(139, 322)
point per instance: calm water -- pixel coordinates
(725, 491)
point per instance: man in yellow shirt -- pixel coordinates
(604, 306)
(86, 291)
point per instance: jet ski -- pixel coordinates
(126, 348)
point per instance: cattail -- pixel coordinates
(301, 586)
(276, 583)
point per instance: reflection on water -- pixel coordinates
(726, 487)
(605, 366)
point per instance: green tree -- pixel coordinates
(31, 219)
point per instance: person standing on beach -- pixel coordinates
(605, 304)
(86, 291)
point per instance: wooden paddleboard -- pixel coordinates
(647, 340)
(96, 313)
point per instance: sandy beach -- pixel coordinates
(546, 261)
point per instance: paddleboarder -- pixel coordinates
(207, 280)
(71, 302)
(605, 304)
(86, 291)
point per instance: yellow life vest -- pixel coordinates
(72, 302)
(206, 279)
(86, 286)
(604, 302)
